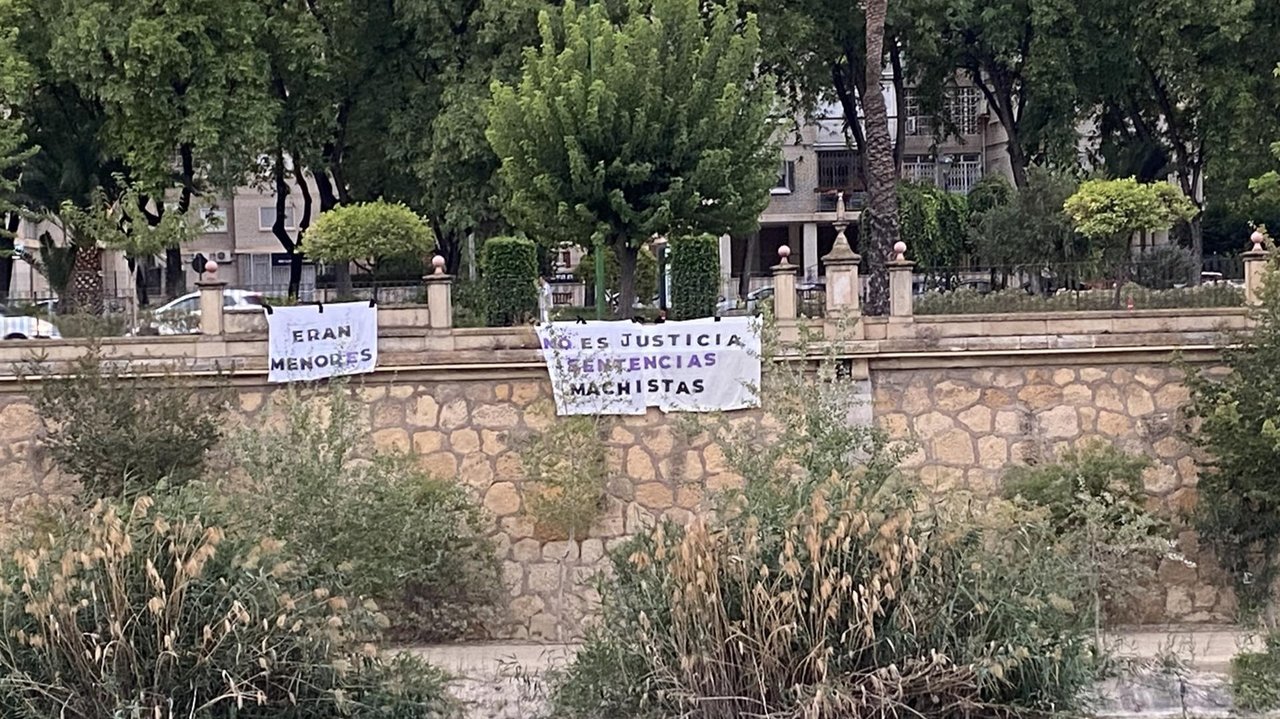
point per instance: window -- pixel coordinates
(918, 123)
(184, 305)
(267, 218)
(965, 172)
(215, 220)
(919, 168)
(962, 109)
(786, 183)
(840, 170)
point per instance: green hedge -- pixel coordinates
(695, 276)
(510, 267)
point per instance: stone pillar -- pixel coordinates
(784, 286)
(900, 298)
(211, 309)
(1255, 265)
(809, 250)
(726, 264)
(439, 296)
(843, 295)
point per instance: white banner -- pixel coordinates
(623, 367)
(318, 341)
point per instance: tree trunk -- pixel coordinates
(883, 197)
(627, 261)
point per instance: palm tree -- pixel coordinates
(882, 201)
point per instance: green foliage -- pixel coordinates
(122, 436)
(1239, 508)
(470, 303)
(652, 125)
(368, 525)
(695, 276)
(646, 280)
(934, 224)
(971, 302)
(1164, 267)
(138, 610)
(1030, 229)
(1114, 210)
(1255, 678)
(369, 234)
(566, 464)
(824, 571)
(509, 268)
(1096, 502)
(990, 191)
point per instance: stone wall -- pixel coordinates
(969, 424)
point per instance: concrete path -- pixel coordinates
(1176, 671)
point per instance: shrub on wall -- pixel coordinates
(138, 610)
(646, 274)
(370, 235)
(120, 435)
(1239, 500)
(371, 524)
(695, 276)
(510, 267)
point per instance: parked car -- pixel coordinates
(182, 315)
(23, 327)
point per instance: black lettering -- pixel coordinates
(277, 363)
(366, 355)
(735, 341)
(313, 335)
(698, 386)
(653, 385)
(704, 340)
(602, 342)
(682, 388)
(586, 343)
(656, 340)
(297, 335)
(344, 331)
(626, 340)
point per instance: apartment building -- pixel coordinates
(818, 163)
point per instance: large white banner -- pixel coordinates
(318, 341)
(623, 367)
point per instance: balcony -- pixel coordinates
(854, 200)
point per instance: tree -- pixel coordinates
(368, 234)
(619, 132)
(1027, 230)
(1111, 212)
(1024, 56)
(934, 223)
(1172, 68)
(183, 90)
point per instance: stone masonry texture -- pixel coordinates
(967, 424)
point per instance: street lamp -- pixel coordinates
(660, 251)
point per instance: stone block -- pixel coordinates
(1178, 602)
(592, 551)
(1064, 376)
(526, 550)
(996, 398)
(915, 400)
(1061, 422)
(560, 551)
(1040, 396)
(427, 441)
(1077, 394)
(1113, 424)
(659, 441)
(502, 499)
(639, 465)
(1092, 374)
(440, 464)
(941, 479)
(464, 441)
(454, 415)
(544, 578)
(896, 425)
(391, 440)
(654, 495)
(933, 424)
(476, 471)
(976, 418)
(1139, 401)
(426, 412)
(1171, 397)
(951, 396)
(545, 626)
(1108, 397)
(495, 416)
(954, 447)
(688, 497)
(724, 482)
(713, 460)
(508, 466)
(1176, 572)
(525, 393)
(993, 452)
(1159, 479)
(513, 577)
(1008, 423)
(250, 402)
(525, 607)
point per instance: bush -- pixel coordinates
(1255, 678)
(1096, 504)
(695, 276)
(120, 435)
(150, 612)
(510, 269)
(369, 234)
(829, 588)
(374, 526)
(469, 306)
(1238, 512)
(1164, 267)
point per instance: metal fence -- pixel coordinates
(1143, 282)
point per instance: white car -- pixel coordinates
(182, 316)
(22, 327)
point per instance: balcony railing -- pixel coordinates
(854, 200)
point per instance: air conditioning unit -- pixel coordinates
(911, 125)
(221, 256)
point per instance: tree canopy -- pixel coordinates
(369, 233)
(619, 131)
